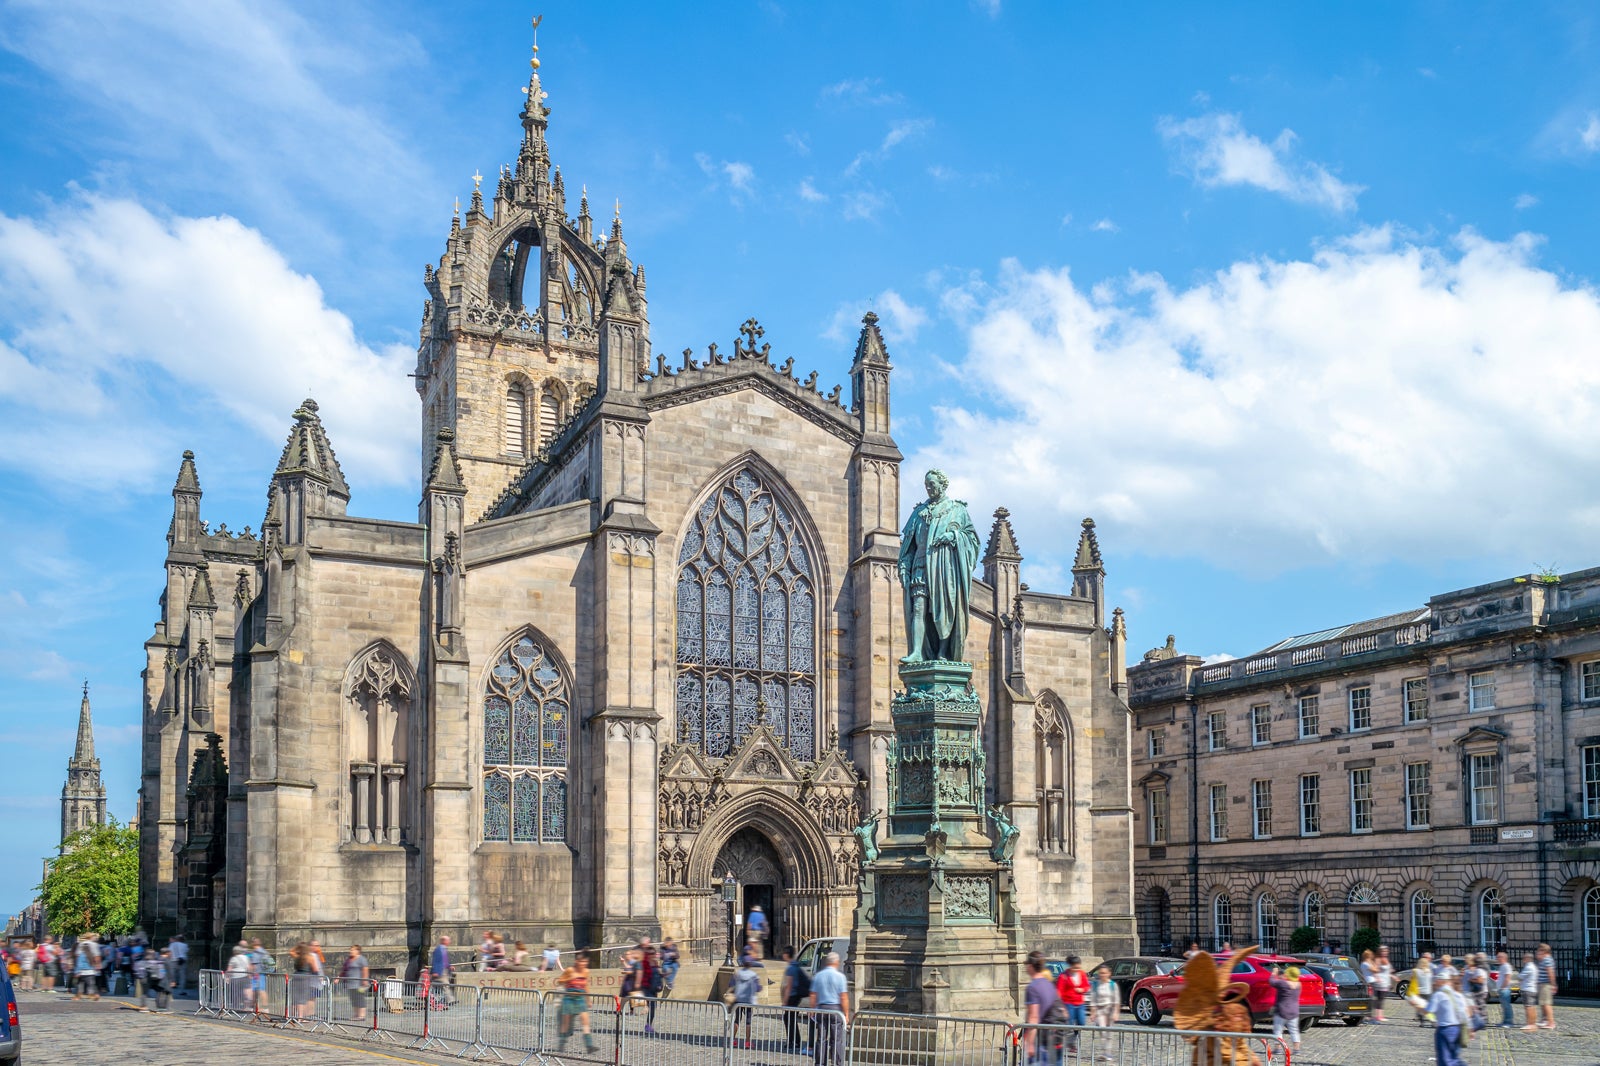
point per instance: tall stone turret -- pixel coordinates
(83, 797)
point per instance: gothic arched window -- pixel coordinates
(517, 419)
(1267, 921)
(1421, 921)
(525, 746)
(1053, 765)
(377, 727)
(549, 411)
(1222, 919)
(1491, 918)
(747, 622)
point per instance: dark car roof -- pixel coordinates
(1142, 958)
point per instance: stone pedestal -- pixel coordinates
(936, 930)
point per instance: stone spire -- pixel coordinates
(83, 797)
(185, 527)
(533, 162)
(1002, 541)
(308, 452)
(188, 478)
(869, 380)
(201, 597)
(1089, 571)
(445, 474)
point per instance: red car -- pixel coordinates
(1157, 994)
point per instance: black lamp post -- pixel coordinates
(730, 896)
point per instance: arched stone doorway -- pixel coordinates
(755, 864)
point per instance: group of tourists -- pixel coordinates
(1072, 998)
(1455, 1000)
(96, 965)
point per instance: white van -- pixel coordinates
(814, 951)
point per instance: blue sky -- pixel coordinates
(1296, 300)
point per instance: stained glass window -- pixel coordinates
(525, 746)
(746, 626)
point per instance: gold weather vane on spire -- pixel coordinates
(477, 180)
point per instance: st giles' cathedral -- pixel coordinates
(643, 633)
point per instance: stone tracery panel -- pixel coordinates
(525, 734)
(378, 687)
(746, 622)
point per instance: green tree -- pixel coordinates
(1365, 940)
(1305, 938)
(94, 887)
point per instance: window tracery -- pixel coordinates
(525, 732)
(1053, 760)
(746, 622)
(378, 702)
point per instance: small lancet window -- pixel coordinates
(517, 419)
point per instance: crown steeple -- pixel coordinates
(83, 797)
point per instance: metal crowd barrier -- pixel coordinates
(1064, 1045)
(557, 1028)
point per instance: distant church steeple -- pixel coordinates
(83, 797)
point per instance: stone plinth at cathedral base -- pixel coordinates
(936, 930)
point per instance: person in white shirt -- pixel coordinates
(552, 957)
(1527, 985)
(178, 980)
(1422, 984)
(1450, 1012)
(1500, 984)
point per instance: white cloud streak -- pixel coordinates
(898, 319)
(129, 335)
(1372, 403)
(1216, 150)
(899, 132)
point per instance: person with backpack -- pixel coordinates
(91, 961)
(746, 993)
(1286, 1004)
(796, 989)
(156, 980)
(1041, 1006)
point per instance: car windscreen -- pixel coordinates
(1346, 977)
(1169, 966)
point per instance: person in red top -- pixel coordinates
(1073, 988)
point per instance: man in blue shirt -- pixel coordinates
(439, 967)
(756, 929)
(830, 992)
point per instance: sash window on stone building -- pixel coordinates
(1589, 673)
(1158, 743)
(1591, 781)
(1361, 708)
(1591, 919)
(525, 719)
(1421, 921)
(1261, 724)
(1267, 921)
(1157, 801)
(1491, 918)
(1261, 808)
(746, 624)
(1480, 691)
(1361, 800)
(1484, 784)
(1219, 812)
(1216, 730)
(1310, 805)
(1308, 716)
(1312, 910)
(1418, 795)
(1416, 690)
(1222, 918)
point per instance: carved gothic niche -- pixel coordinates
(1052, 732)
(378, 692)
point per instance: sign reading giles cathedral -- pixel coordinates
(645, 630)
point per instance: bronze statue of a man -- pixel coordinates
(938, 551)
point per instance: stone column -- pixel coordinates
(393, 775)
(363, 773)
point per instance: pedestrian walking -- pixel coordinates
(178, 952)
(1547, 986)
(796, 989)
(1422, 986)
(574, 982)
(261, 964)
(670, 961)
(237, 977)
(442, 976)
(756, 928)
(1286, 1004)
(1528, 984)
(1381, 979)
(86, 967)
(1476, 978)
(1500, 983)
(1073, 988)
(354, 973)
(157, 979)
(831, 992)
(1450, 1032)
(49, 963)
(27, 958)
(746, 993)
(1041, 1006)
(1105, 999)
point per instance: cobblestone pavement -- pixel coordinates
(58, 1030)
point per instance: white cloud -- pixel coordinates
(1525, 201)
(898, 320)
(799, 142)
(128, 336)
(868, 92)
(863, 205)
(1216, 150)
(246, 96)
(810, 193)
(1104, 225)
(1589, 136)
(1375, 402)
(899, 132)
(741, 176)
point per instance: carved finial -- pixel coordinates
(751, 331)
(688, 359)
(477, 180)
(1088, 557)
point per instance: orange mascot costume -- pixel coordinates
(1211, 1003)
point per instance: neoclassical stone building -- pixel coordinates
(642, 633)
(1433, 774)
